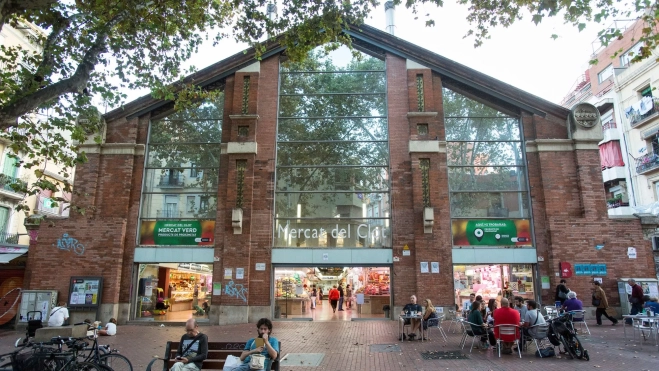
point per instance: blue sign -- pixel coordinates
(578, 269)
(587, 269)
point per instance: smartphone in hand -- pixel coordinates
(179, 357)
(259, 342)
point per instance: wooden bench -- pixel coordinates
(217, 354)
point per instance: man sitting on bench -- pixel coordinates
(264, 344)
(192, 349)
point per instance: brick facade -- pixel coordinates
(568, 202)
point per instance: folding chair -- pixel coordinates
(642, 325)
(466, 326)
(455, 319)
(436, 323)
(508, 330)
(540, 334)
(579, 316)
(552, 312)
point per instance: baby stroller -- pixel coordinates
(33, 324)
(561, 332)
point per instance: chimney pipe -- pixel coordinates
(271, 12)
(389, 16)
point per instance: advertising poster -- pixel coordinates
(240, 273)
(434, 267)
(85, 291)
(228, 273)
(217, 288)
(485, 233)
(424, 267)
(177, 232)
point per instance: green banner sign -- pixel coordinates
(177, 232)
(491, 232)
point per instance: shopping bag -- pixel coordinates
(611, 312)
(231, 363)
(257, 362)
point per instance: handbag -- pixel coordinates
(611, 312)
(545, 352)
(562, 295)
(231, 363)
(257, 362)
(596, 302)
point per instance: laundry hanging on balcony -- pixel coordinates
(639, 108)
(610, 155)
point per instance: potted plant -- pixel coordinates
(614, 202)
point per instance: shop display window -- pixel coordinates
(493, 281)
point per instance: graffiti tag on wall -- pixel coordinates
(236, 290)
(70, 244)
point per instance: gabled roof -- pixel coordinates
(373, 41)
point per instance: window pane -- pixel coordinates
(182, 131)
(347, 82)
(332, 129)
(208, 109)
(333, 179)
(328, 205)
(176, 180)
(313, 154)
(491, 204)
(337, 60)
(332, 105)
(179, 206)
(482, 154)
(490, 178)
(458, 105)
(482, 129)
(347, 233)
(176, 155)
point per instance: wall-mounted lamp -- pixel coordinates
(237, 220)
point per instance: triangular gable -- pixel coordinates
(377, 43)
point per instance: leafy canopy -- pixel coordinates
(96, 49)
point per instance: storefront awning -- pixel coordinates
(9, 253)
(6, 258)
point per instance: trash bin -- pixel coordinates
(386, 310)
(277, 312)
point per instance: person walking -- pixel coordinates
(349, 297)
(334, 297)
(635, 299)
(600, 302)
(313, 298)
(320, 295)
(340, 297)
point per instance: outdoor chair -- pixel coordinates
(436, 323)
(541, 334)
(455, 318)
(579, 316)
(552, 312)
(468, 332)
(508, 330)
(645, 327)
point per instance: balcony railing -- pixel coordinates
(174, 181)
(45, 206)
(11, 184)
(641, 110)
(611, 124)
(647, 163)
(9, 238)
(169, 214)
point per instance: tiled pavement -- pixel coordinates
(346, 346)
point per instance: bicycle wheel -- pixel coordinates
(116, 362)
(568, 347)
(578, 348)
(6, 366)
(85, 366)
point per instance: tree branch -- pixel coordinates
(74, 84)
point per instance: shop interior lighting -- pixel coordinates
(364, 210)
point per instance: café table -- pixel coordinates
(653, 322)
(401, 325)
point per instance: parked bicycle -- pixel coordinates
(562, 332)
(48, 356)
(104, 355)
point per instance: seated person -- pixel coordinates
(520, 306)
(429, 315)
(192, 348)
(206, 307)
(413, 309)
(479, 327)
(491, 307)
(652, 304)
(269, 349)
(110, 328)
(160, 304)
(467, 304)
(506, 316)
(572, 303)
(533, 318)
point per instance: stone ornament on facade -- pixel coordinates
(585, 115)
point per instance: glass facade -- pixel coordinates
(332, 187)
(179, 196)
(486, 174)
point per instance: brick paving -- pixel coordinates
(346, 346)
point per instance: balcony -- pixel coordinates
(621, 212)
(647, 163)
(172, 181)
(613, 173)
(611, 124)
(641, 112)
(11, 238)
(12, 187)
(168, 214)
(46, 206)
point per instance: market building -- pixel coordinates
(399, 173)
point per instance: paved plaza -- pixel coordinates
(372, 345)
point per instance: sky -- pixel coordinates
(523, 55)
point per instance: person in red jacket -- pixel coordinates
(334, 297)
(506, 316)
(635, 299)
